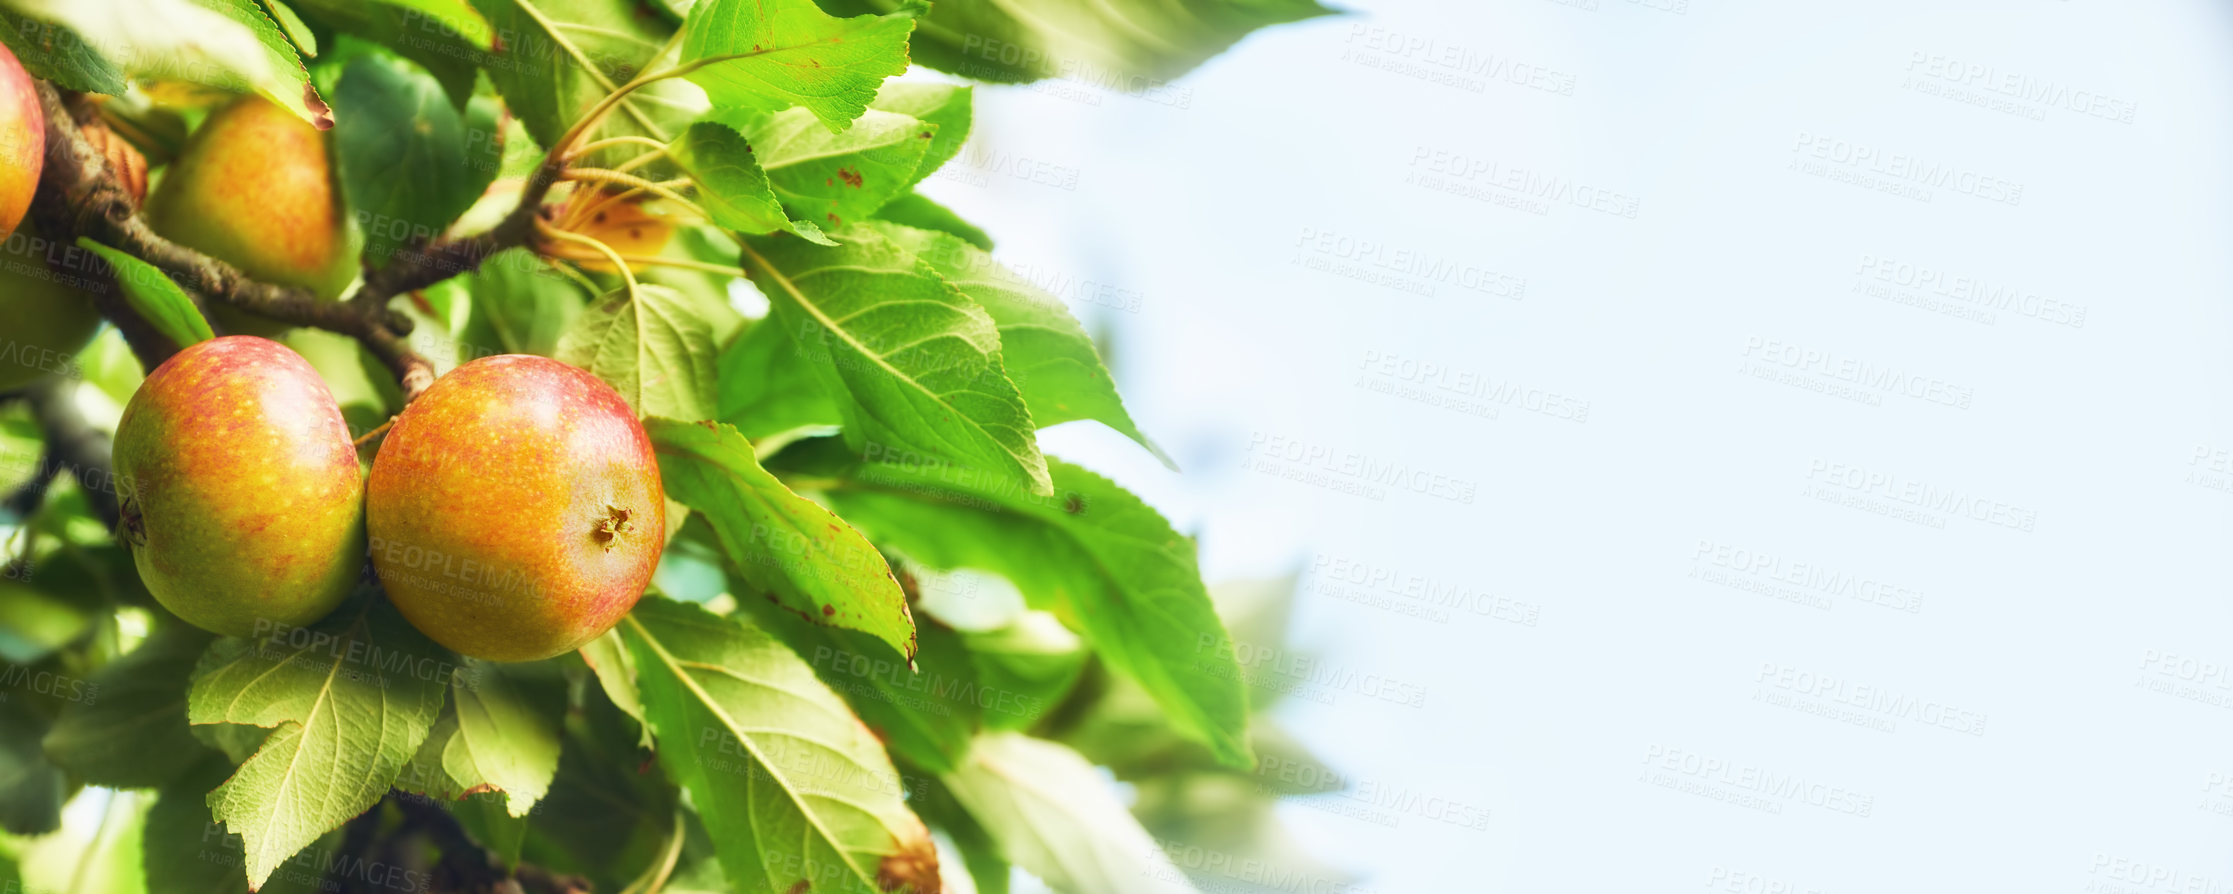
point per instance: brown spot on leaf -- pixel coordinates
(833, 219)
(321, 115)
(851, 177)
(801, 887)
(1073, 503)
(828, 610)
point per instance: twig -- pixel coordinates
(446, 258)
(83, 198)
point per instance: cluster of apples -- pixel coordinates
(512, 512)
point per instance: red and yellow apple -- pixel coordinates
(255, 188)
(515, 509)
(241, 497)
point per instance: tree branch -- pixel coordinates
(446, 258)
(84, 198)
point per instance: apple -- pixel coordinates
(255, 188)
(23, 141)
(515, 509)
(50, 317)
(241, 498)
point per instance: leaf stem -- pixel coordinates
(608, 142)
(626, 275)
(683, 263)
(664, 190)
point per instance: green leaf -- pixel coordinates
(1126, 46)
(561, 58)
(1049, 356)
(132, 732)
(154, 296)
(768, 389)
(769, 55)
(608, 659)
(654, 349)
(30, 786)
(291, 25)
(1092, 553)
(808, 560)
(97, 849)
(410, 162)
(447, 38)
(350, 700)
(986, 869)
(1033, 661)
(237, 741)
(449, 17)
(945, 105)
(836, 178)
(175, 847)
(1056, 816)
(914, 210)
(500, 733)
(793, 789)
(731, 185)
(36, 618)
(57, 53)
(525, 304)
(913, 365)
(925, 714)
(609, 811)
(184, 851)
(229, 44)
